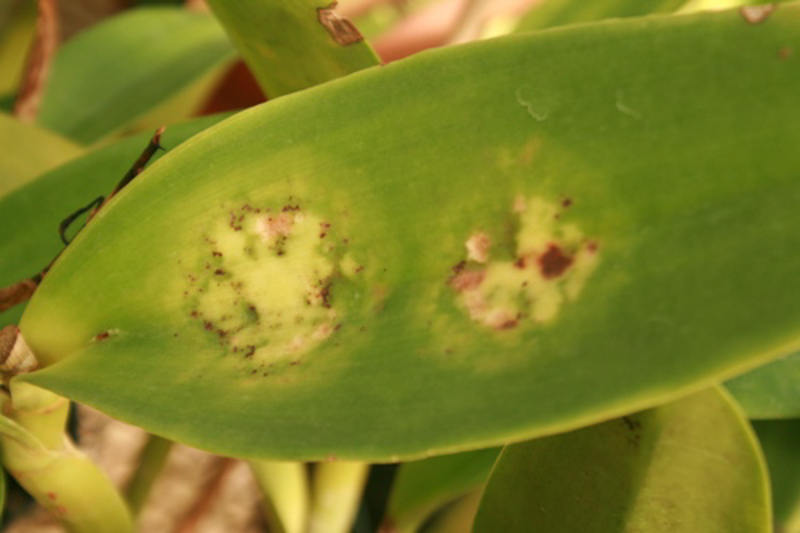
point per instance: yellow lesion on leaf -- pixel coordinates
(552, 261)
(263, 287)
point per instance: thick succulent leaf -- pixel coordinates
(17, 26)
(780, 440)
(27, 151)
(110, 75)
(422, 487)
(771, 391)
(551, 13)
(291, 45)
(31, 214)
(692, 465)
(518, 236)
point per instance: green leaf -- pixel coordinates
(772, 391)
(422, 487)
(27, 151)
(31, 214)
(538, 221)
(692, 465)
(779, 440)
(109, 76)
(288, 47)
(17, 26)
(551, 13)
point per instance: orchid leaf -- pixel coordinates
(692, 465)
(114, 73)
(291, 45)
(423, 487)
(27, 151)
(779, 440)
(551, 13)
(771, 391)
(521, 236)
(30, 215)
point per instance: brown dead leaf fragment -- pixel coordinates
(16, 294)
(342, 30)
(40, 57)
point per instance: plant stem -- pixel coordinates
(337, 490)
(285, 488)
(151, 462)
(42, 458)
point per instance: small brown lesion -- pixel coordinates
(342, 30)
(554, 262)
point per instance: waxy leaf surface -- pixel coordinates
(476, 245)
(692, 465)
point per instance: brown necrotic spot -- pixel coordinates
(467, 280)
(554, 262)
(342, 30)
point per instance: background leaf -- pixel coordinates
(565, 161)
(771, 391)
(31, 214)
(27, 151)
(692, 465)
(422, 487)
(779, 440)
(94, 92)
(286, 45)
(17, 26)
(551, 13)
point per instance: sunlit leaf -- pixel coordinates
(519, 237)
(692, 465)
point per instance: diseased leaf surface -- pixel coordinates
(520, 236)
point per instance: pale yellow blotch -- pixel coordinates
(264, 290)
(349, 267)
(553, 262)
(478, 247)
